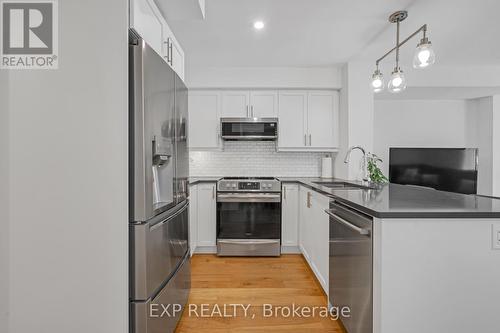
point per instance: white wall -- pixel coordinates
(443, 123)
(418, 123)
(263, 77)
(479, 131)
(496, 146)
(68, 179)
(356, 118)
(4, 200)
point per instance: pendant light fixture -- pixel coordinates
(377, 81)
(424, 57)
(424, 54)
(398, 81)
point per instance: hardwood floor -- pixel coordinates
(258, 283)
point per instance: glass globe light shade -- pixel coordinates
(397, 83)
(424, 54)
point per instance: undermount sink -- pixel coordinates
(343, 185)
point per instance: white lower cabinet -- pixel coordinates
(290, 218)
(314, 232)
(305, 222)
(193, 217)
(206, 219)
(320, 238)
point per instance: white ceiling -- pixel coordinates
(298, 33)
(312, 33)
(463, 32)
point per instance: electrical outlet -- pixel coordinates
(495, 236)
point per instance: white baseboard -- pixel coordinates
(287, 249)
(206, 249)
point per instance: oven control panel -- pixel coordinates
(254, 185)
(248, 186)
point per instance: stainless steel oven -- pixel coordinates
(249, 217)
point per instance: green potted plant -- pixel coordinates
(376, 175)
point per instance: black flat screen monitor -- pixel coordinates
(445, 169)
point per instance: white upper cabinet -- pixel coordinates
(249, 104)
(292, 119)
(308, 120)
(147, 20)
(178, 60)
(235, 103)
(204, 110)
(322, 119)
(264, 104)
(172, 51)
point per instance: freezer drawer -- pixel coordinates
(149, 316)
(156, 250)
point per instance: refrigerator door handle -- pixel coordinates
(181, 210)
(141, 167)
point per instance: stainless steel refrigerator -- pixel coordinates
(158, 157)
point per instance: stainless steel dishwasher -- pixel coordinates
(351, 262)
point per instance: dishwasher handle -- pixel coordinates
(361, 231)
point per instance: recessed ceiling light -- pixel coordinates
(259, 25)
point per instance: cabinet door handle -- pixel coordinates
(171, 53)
(213, 192)
(284, 192)
(251, 111)
(310, 139)
(308, 199)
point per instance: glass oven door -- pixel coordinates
(249, 216)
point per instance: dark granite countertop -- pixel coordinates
(404, 201)
(207, 179)
(396, 201)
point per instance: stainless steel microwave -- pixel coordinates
(258, 129)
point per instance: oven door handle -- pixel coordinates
(248, 197)
(248, 137)
(248, 241)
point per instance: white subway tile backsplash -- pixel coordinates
(254, 158)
